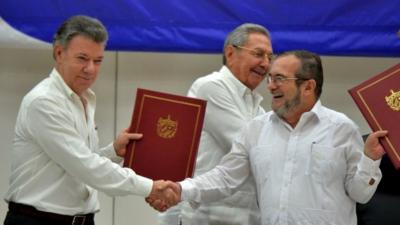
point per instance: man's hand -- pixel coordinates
(373, 149)
(122, 140)
(164, 194)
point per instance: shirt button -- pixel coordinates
(371, 181)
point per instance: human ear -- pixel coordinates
(310, 86)
(229, 51)
(57, 50)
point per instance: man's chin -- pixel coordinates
(280, 112)
(261, 76)
(257, 79)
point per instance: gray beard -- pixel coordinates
(288, 106)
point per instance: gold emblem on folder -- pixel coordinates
(393, 100)
(166, 128)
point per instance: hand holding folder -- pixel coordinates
(171, 126)
(378, 99)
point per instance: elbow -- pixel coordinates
(363, 196)
(364, 200)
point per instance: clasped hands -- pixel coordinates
(164, 195)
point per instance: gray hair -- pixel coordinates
(240, 35)
(80, 25)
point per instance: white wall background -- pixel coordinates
(121, 74)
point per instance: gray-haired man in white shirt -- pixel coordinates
(231, 102)
(57, 164)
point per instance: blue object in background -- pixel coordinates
(336, 27)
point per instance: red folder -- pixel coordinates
(171, 126)
(378, 99)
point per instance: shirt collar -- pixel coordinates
(88, 94)
(316, 110)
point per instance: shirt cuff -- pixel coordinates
(371, 169)
(144, 186)
(370, 165)
(110, 153)
(189, 193)
(188, 190)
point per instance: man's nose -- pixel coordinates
(90, 66)
(271, 85)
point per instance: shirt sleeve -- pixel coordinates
(53, 128)
(224, 117)
(363, 173)
(222, 181)
(110, 153)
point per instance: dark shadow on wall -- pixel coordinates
(384, 206)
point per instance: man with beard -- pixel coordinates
(308, 162)
(231, 103)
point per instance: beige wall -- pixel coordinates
(121, 74)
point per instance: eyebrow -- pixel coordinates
(260, 49)
(86, 55)
(278, 74)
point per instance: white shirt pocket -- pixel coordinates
(324, 162)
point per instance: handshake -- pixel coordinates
(164, 195)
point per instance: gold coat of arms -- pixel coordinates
(166, 128)
(393, 100)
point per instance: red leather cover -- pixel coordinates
(171, 126)
(378, 99)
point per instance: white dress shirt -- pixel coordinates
(312, 174)
(56, 161)
(230, 105)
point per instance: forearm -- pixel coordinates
(362, 186)
(218, 183)
(109, 152)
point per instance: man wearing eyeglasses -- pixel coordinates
(231, 102)
(309, 162)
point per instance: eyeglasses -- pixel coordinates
(259, 54)
(280, 79)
